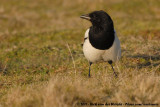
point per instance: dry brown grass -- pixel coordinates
(66, 91)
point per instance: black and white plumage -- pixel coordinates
(101, 41)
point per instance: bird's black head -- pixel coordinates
(101, 33)
(99, 19)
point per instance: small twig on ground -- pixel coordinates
(72, 58)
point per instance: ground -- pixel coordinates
(42, 63)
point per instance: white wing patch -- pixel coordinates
(86, 33)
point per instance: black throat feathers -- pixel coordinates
(101, 38)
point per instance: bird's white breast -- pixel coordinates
(93, 55)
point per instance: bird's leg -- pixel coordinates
(114, 71)
(110, 62)
(90, 63)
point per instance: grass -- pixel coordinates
(42, 63)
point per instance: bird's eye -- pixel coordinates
(94, 16)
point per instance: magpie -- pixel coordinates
(100, 41)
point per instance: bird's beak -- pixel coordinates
(85, 17)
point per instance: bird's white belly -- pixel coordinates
(92, 54)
